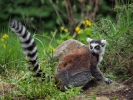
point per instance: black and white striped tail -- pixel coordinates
(27, 43)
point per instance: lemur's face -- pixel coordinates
(97, 46)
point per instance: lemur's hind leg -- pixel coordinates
(66, 79)
(80, 79)
(98, 75)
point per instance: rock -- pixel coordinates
(66, 47)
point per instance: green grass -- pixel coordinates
(11, 53)
(14, 71)
(117, 63)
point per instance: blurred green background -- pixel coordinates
(49, 15)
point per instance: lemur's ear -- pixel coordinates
(89, 40)
(104, 42)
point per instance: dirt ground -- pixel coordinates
(123, 94)
(116, 91)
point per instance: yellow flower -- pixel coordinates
(62, 28)
(87, 22)
(66, 30)
(83, 22)
(5, 36)
(78, 30)
(4, 45)
(2, 40)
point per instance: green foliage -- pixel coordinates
(7, 54)
(93, 97)
(32, 12)
(115, 97)
(47, 15)
(63, 37)
(119, 36)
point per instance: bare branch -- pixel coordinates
(95, 10)
(56, 10)
(71, 18)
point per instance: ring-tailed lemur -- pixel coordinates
(28, 45)
(77, 67)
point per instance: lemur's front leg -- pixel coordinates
(98, 75)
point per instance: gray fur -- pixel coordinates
(95, 72)
(79, 79)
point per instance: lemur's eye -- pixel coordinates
(91, 47)
(97, 47)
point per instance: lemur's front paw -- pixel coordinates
(108, 81)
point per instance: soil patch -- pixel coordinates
(6, 88)
(114, 91)
(123, 94)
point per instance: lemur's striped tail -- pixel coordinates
(27, 43)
